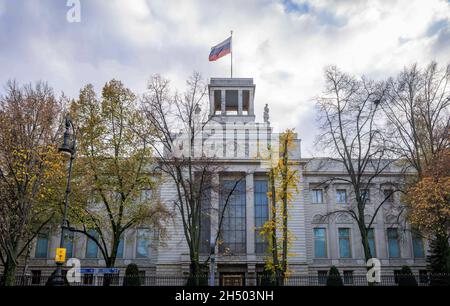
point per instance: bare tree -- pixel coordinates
(417, 109)
(179, 122)
(417, 106)
(351, 125)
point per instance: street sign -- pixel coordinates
(108, 270)
(60, 255)
(99, 270)
(87, 271)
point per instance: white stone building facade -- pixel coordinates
(318, 242)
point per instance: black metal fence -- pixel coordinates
(356, 280)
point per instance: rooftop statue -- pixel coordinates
(266, 114)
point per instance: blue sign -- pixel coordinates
(108, 270)
(99, 270)
(87, 271)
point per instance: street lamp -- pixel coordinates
(212, 274)
(69, 148)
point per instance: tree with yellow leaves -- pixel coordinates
(31, 170)
(429, 210)
(283, 181)
(114, 185)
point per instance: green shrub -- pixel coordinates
(406, 277)
(334, 277)
(198, 280)
(132, 276)
(439, 261)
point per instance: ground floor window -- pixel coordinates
(233, 207)
(142, 277)
(397, 273)
(232, 279)
(261, 215)
(345, 250)
(423, 276)
(88, 279)
(418, 248)
(348, 277)
(35, 277)
(322, 277)
(42, 245)
(393, 243)
(320, 242)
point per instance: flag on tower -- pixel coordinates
(220, 50)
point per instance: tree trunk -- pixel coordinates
(277, 272)
(195, 273)
(366, 246)
(9, 273)
(108, 277)
(285, 237)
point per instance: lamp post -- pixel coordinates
(212, 274)
(69, 148)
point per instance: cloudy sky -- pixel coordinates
(283, 44)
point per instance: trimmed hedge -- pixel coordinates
(334, 277)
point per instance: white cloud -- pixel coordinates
(2, 7)
(284, 50)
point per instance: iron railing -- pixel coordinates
(356, 280)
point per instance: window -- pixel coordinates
(120, 247)
(245, 101)
(91, 246)
(371, 238)
(317, 196)
(393, 243)
(320, 243)
(145, 195)
(322, 277)
(388, 195)
(88, 279)
(423, 276)
(217, 102)
(397, 273)
(68, 243)
(261, 215)
(142, 277)
(418, 248)
(142, 243)
(42, 245)
(113, 278)
(233, 232)
(365, 194)
(341, 196)
(348, 277)
(35, 277)
(345, 250)
(231, 102)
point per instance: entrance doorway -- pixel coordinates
(232, 279)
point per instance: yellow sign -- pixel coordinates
(60, 255)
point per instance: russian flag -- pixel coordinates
(220, 50)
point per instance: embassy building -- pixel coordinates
(320, 238)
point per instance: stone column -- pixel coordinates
(222, 102)
(333, 251)
(251, 111)
(250, 213)
(212, 110)
(240, 102)
(251, 272)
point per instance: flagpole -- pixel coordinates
(231, 53)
